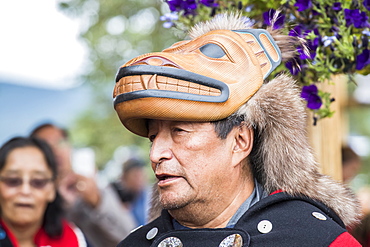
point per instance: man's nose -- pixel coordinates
(161, 149)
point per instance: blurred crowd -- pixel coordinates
(44, 201)
(351, 166)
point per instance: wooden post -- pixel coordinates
(329, 134)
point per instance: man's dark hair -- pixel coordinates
(223, 128)
(131, 164)
(48, 125)
(52, 223)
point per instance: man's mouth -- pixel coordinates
(164, 179)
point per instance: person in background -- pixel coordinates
(351, 164)
(31, 207)
(98, 212)
(133, 190)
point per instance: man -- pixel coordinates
(97, 212)
(233, 164)
(132, 188)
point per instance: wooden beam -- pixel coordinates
(328, 136)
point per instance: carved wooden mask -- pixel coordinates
(204, 79)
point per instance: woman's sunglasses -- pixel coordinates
(37, 183)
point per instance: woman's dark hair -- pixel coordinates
(53, 215)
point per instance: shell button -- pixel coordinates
(318, 215)
(152, 233)
(265, 226)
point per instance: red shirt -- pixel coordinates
(71, 237)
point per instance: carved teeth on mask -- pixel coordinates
(144, 82)
(259, 53)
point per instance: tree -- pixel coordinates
(114, 32)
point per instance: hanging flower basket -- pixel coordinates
(337, 35)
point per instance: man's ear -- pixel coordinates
(243, 143)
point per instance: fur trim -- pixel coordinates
(232, 21)
(282, 157)
(155, 205)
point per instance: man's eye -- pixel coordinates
(178, 130)
(212, 50)
(151, 138)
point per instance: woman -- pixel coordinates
(30, 206)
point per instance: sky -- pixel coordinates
(40, 59)
(39, 45)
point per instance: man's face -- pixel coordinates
(193, 165)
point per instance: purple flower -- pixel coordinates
(188, 6)
(363, 59)
(297, 31)
(302, 54)
(314, 12)
(337, 6)
(312, 45)
(356, 17)
(209, 3)
(293, 68)
(268, 17)
(303, 4)
(367, 4)
(310, 94)
(168, 18)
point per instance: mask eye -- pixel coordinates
(212, 50)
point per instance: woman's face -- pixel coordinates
(26, 187)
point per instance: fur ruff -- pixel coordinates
(282, 158)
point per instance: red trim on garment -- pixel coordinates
(276, 192)
(10, 235)
(345, 240)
